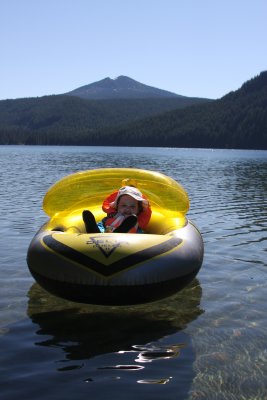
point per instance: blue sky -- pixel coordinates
(202, 48)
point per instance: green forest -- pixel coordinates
(237, 120)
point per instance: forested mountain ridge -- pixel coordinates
(237, 120)
(69, 119)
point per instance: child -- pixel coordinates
(127, 211)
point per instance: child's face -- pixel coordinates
(127, 205)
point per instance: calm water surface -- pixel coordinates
(207, 342)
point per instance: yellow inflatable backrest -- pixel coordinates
(88, 189)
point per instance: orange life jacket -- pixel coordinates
(112, 221)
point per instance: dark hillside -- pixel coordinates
(65, 119)
(237, 120)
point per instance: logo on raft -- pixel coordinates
(106, 245)
(107, 268)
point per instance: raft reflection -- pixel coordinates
(84, 331)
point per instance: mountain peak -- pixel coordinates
(121, 87)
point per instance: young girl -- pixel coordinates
(127, 211)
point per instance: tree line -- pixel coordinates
(237, 120)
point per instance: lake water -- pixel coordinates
(207, 342)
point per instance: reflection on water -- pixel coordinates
(130, 345)
(97, 329)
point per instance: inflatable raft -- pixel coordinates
(115, 268)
